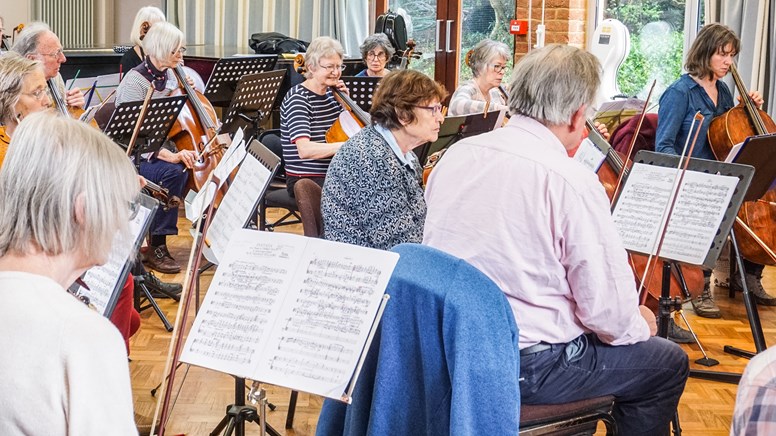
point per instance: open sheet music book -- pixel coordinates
(106, 281)
(701, 202)
(291, 311)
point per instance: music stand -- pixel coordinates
(252, 101)
(745, 174)
(156, 125)
(453, 129)
(361, 90)
(227, 73)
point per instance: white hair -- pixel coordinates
(146, 14)
(162, 39)
(14, 68)
(487, 51)
(29, 37)
(321, 47)
(51, 162)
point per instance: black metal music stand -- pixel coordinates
(229, 71)
(453, 129)
(252, 102)
(361, 90)
(155, 126)
(744, 173)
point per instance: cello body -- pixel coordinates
(725, 131)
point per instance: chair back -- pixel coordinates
(623, 134)
(308, 201)
(444, 360)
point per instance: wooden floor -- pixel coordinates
(706, 407)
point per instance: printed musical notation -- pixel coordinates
(290, 310)
(701, 203)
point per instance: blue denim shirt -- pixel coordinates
(678, 106)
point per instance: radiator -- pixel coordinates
(72, 20)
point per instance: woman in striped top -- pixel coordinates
(308, 111)
(488, 62)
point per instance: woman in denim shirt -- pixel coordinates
(708, 61)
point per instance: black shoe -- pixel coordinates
(160, 289)
(679, 335)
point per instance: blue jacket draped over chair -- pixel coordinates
(444, 360)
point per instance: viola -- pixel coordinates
(408, 54)
(195, 129)
(161, 194)
(610, 175)
(755, 225)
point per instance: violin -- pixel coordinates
(337, 131)
(610, 174)
(755, 224)
(162, 195)
(195, 129)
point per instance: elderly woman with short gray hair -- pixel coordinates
(488, 61)
(376, 51)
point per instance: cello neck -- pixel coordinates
(58, 100)
(364, 118)
(751, 109)
(191, 93)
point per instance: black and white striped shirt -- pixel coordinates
(305, 114)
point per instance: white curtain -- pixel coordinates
(753, 22)
(232, 22)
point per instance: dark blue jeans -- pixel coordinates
(173, 177)
(646, 378)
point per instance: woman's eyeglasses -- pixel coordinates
(38, 94)
(333, 68)
(498, 68)
(436, 109)
(379, 56)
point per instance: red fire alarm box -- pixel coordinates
(518, 27)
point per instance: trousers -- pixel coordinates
(646, 379)
(172, 176)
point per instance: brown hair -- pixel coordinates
(400, 91)
(712, 39)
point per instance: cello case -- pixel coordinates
(393, 26)
(611, 45)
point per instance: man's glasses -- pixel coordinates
(333, 68)
(436, 109)
(379, 56)
(38, 94)
(498, 68)
(54, 55)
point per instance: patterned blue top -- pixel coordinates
(370, 198)
(678, 106)
(305, 114)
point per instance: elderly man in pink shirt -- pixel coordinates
(513, 204)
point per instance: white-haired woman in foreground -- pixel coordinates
(65, 192)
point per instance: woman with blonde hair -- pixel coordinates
(65, 191)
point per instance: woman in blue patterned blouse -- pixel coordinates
(372, 194)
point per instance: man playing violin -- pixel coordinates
(38, 42)
(709, 60)
(552, 247)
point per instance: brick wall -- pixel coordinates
(564, 22)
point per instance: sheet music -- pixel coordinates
(589, 155)
(231, 158)
(290, 310)
(195, 203)
(103, 280)
(103, 86)
(237, 205)
(701, 203)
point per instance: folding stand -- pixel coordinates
(361, 90)
(160, 115)
(744, 173)
(228, 71)
(453, 129)
(252, 102)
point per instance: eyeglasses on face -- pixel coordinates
(334, 67)
(54, 55)
(498, 68)
(38, 94)
(379, 56)
(181, 50)
(436, 109)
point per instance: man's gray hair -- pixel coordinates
(27, 41)
(551, 83)
(485, 52)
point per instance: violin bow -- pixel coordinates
(633, 141)
(681, 169)
(163, 407)
(139, 122)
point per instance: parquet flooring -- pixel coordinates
(706, 407)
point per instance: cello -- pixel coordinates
(195, 129)
(755, 225)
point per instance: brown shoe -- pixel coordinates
(159, 259)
